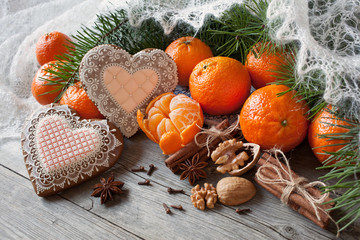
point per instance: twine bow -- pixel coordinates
(292, 184)
(213, 133)
(298, 185)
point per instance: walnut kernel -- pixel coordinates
(206, 194)
(229, 160)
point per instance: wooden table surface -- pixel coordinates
(139, 213)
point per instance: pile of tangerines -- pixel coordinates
(45, 92)
(273, 116)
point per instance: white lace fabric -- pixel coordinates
(329, 37)
(75, 147)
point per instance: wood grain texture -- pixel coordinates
(26, 216)
(139, 212)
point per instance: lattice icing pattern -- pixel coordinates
(129, 89)
(59, 145)
(59, 148)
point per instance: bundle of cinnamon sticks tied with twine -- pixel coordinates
(292, 189)
(204, 143)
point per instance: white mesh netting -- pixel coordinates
(328, 33)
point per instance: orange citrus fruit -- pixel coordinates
(172, 121)
(220, 84)
(323, 123)
(186, 53)
(43, 93)
(76, 98)
(262, 68)
(51, 44)
(274, 121)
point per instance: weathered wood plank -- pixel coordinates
(140, 210)
(24, 215)
(262, 218)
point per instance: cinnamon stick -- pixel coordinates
(296, 201)
(266, 157)
(191, 149)
(294, 206)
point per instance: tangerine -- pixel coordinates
(172, 121)
(51, 44)
(272, 121)
(41, 89)
(326, 123)
(220, 84)
(186, 53)
(263, 68)
(76, 98)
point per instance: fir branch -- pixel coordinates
(286, 74)
(67, 71)
(344, 167)
(238, 30)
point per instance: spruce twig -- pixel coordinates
(345, 170)
(238, 30)
(70, 63)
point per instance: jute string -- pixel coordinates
(298, 185)
(213, 133)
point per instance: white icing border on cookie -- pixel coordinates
(99, 58)
(45, 180)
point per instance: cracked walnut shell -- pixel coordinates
(235, 190)
(231, 156)
(206, 194)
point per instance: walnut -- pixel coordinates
(231, 155)
(206, 194)
(235, 190)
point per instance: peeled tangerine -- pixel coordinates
(172, 121)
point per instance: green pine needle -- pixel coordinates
(345, 170)
(238, 30)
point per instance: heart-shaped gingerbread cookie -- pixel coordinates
(120, 84)
(62, 151)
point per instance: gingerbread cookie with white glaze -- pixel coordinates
(120, 83)
(61, 150)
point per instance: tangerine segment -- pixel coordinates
(188, 134)
(164, 104)
(144, 125)
(170, 142)
(274, 121)
(169, 113)
(326, 123)
(152, 103)
(183, 111)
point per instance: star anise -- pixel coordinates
(106, 188)
(193, 169)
